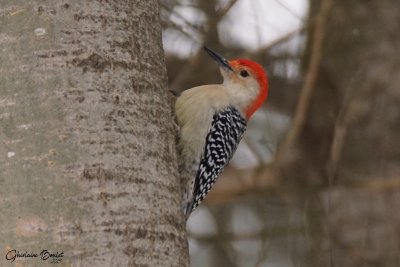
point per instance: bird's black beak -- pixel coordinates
(220, 59)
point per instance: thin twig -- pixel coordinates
(185, 21)
(288, 9)
(226, 9)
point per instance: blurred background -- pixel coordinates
(316, 178)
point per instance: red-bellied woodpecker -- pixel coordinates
(213, 119)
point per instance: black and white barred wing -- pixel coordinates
(226, 131)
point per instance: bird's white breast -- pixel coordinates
(195, 109)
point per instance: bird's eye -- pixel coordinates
(244, 73)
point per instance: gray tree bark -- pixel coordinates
(87, 154)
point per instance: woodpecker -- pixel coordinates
(212, 120)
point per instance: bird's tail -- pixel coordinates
(187, 182)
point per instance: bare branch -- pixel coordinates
(309, 84)
(277, 231)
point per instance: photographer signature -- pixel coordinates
(53, 257)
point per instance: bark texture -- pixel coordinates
(87, 154)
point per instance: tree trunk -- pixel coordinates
(87, 155)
